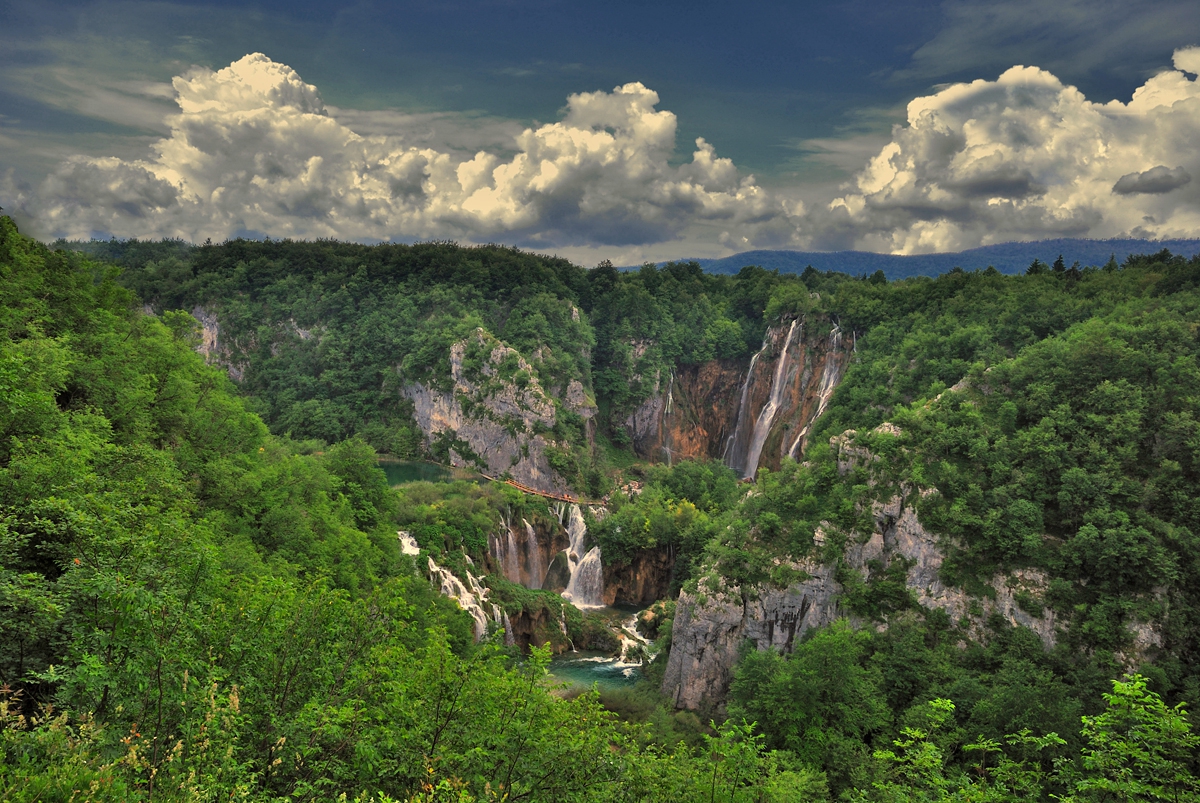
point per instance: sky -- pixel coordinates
(617, 130)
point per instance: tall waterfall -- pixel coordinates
(586, 586)
(668, 408)
(829, 381)
(537, 568)
(735, 447)
(762, 426)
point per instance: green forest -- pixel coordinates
(202, 595)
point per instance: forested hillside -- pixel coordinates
(965, 568)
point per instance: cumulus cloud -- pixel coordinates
(1187, 59)
(255, 150)
(1026, 157)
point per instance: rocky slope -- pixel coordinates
(495, 413)
(709, 630)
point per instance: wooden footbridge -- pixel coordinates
(563, 497)
(523, 488)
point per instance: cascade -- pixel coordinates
(631, 635)
(735, 446)
(470, 599)
(586, 586)
(537, 569)
(762, 426)
(829, 381)
(408, 544)
(562, 625)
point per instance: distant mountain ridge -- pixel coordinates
(1004, 257)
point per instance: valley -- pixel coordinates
(388, 512)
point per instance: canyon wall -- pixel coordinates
(746, 413)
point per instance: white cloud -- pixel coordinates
(254, 149)
(1187, 59)
(1026, 157)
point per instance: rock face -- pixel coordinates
(642, 581)
(692, 417)
(576, 400)
(708, 632)
(499, 415)
(745, 412)
(214, 350)
(707, 635)
(538, 627)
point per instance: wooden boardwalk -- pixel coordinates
(557, 497)
(545, 494)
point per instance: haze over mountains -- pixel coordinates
(1010, 258)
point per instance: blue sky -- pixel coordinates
(806, 111)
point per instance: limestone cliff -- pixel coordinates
(709, 630)
(494, 412)
(214, 349)
(692, 417)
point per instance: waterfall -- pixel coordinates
(829, 381)
(470, 599)
(586, 586)
(408, 544)
(512, 561)
(629, 636)
(664, 428)
(562, 625)
(504, 549)
(735, 445)
(537, 569)
(506, 623)
(762, 427)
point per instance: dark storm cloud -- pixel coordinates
(1154, 181)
